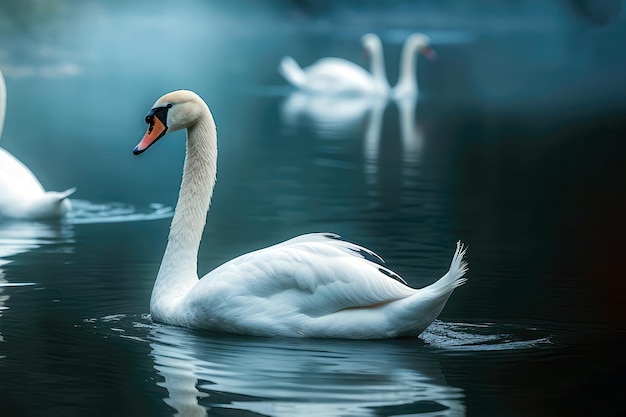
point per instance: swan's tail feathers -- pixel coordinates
(58, 197)
(292, 72)
(455, 276)
(62, 195)
(415, 313)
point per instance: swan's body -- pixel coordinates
(314, 285)
(337, 76)
(21, 195)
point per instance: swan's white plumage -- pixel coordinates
(21, 194)
(337, 76)
(12, 170)
(313, 285)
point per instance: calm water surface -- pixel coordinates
(515, 146)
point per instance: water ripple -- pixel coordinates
(483, 337)
(86, 212)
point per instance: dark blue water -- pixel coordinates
(515, 146)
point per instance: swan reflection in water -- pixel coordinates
(336, 117)
(291, 377)
(19, 236)
(328, 116)
(411, 140)
(22, 236)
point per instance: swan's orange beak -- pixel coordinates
(157, 128)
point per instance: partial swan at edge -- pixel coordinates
(21, 194)
(313, 285)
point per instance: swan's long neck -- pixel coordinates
(407, 83)
(378, 69)
(178, 271)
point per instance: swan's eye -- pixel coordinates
(157, 113)
(150, 121)
(169, 105)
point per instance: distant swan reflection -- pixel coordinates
(328, 115)
(411, 139)
(283, 377)
(332, 117)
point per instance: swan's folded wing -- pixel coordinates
(308, 276)
(334, 239)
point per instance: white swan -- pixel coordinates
(21, 195)
(313, 285)
(407, 79)
(337, 76)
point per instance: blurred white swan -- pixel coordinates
(328, 113)
(21, 194)
(337, 76)
(314, 285)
